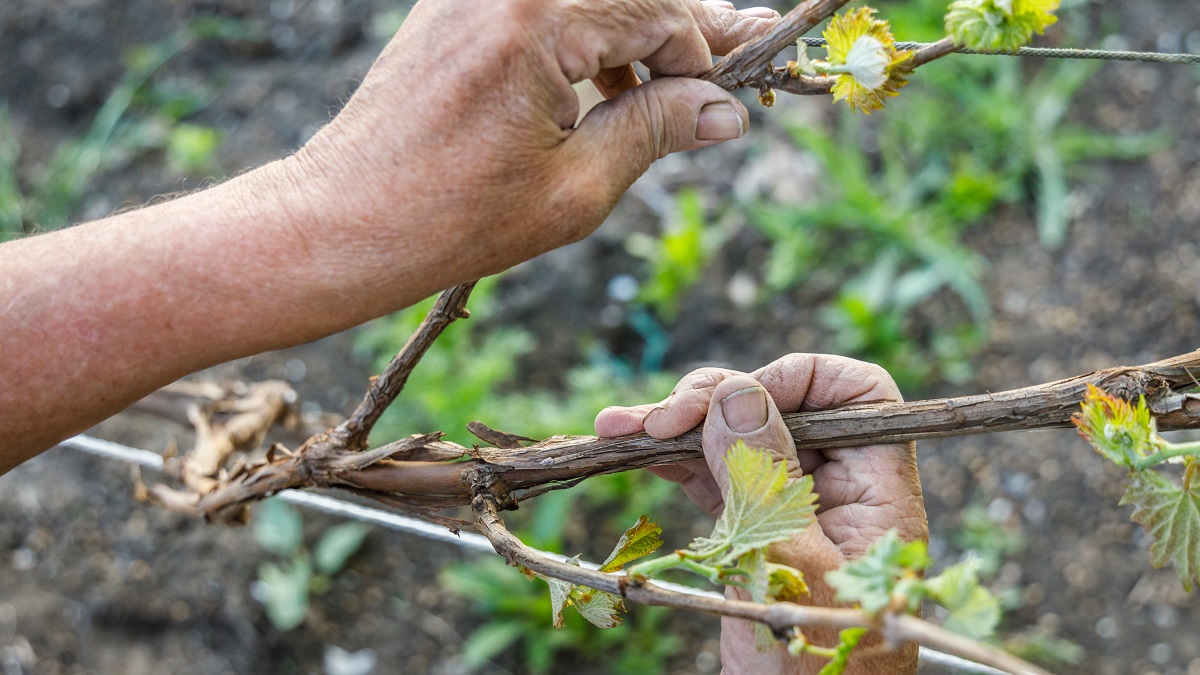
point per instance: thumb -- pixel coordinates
(741, 410)
(618, 139)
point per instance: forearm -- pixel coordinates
(94, 317)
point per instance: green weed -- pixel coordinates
(285, 587)
(677, 258)
(518, 617)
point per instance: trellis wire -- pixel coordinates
(467, 540)
(1054, 53)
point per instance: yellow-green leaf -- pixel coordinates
(863, 55)
(847, 640)
(640, 540)
(974, 611)
(762, 507)
(601, 609)
(1170, 514)
(998, 25)
(1118, 430)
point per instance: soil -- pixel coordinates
(96, 582)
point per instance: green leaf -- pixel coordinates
(889, 568)
(762, 507)
(286, 591)
(489, 640)
(337, 544)
(278, 527)
(560, 597)
(847, 640)
(974, 611)
(601, 609)
(638, 541)
(1170, 514)
(998, 25)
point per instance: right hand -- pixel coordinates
(459, 154)
(863, 492)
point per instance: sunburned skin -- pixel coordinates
(457, 158)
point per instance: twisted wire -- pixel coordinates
(1055, 53)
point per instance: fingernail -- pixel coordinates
(745, 410)
(760, 12)
(719, 122)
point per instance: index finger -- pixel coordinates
(670, 37)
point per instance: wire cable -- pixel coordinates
(1055, 53)
(467, 540)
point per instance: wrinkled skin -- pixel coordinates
(471, 94)
(863, 492)
(458, 157)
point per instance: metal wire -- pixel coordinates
(467, 540)
(1055, 53)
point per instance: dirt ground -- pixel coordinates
(95, 582)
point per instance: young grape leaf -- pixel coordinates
(1170, 514)
(889, 568)
(759, 583)
(1120, 431)
(786, 583)
(998, 25)
(560, 597)
(847, 641)
(762, 507)
(974, 612)
(601, 609)
(640, 540)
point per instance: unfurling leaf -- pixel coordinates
(601, 609)
(974, 611)
(847, 640)
(998, 25)
(768, 582)
(786, 583)
(889, 570)
(1170, 514)
(560, 594)
(640, 540)
(863, 55)
(762, 507)
(1121, 432)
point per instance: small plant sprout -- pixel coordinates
(862, 56)
(1169, 512)
(998, 25)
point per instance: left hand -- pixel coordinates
(863, 492)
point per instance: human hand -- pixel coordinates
(459, 155)
(863, 492)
